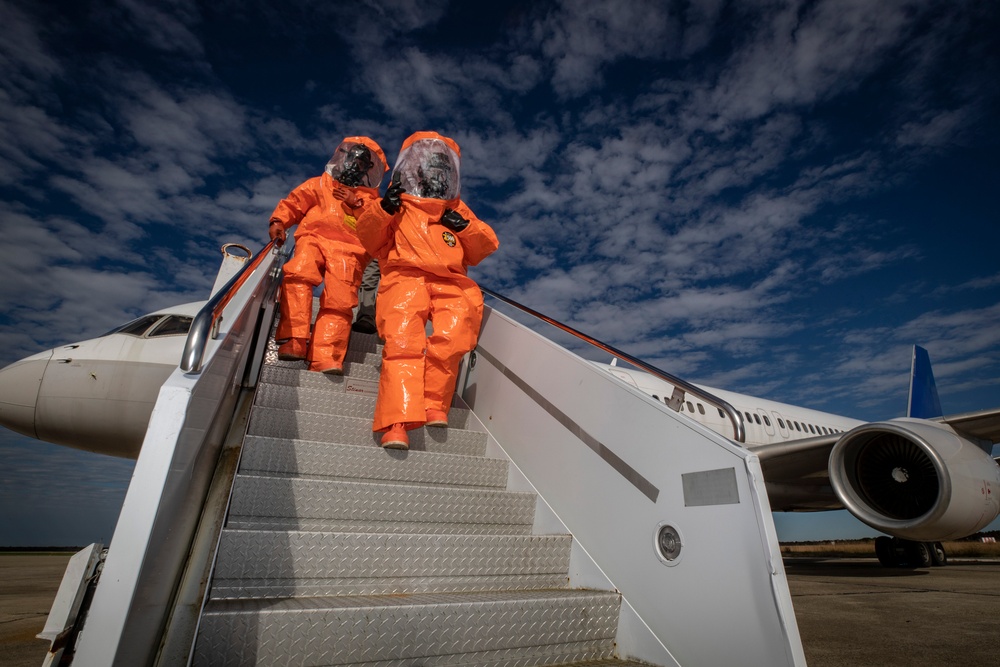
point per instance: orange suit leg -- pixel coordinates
(301, 273)
(457, 314)
(332, 331)
(401, 312)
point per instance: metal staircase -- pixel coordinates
(565, 517)
(338, 552)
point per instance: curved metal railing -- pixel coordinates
(734, 416)
(206, 322)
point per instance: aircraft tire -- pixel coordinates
(885, 552)
(918, 554)
(938, 556)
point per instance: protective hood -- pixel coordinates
(428, 166)
(358, 162)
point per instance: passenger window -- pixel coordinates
(175, 325)
(136, 327)
(756, 418)
(690, 407)
(701, 408)
(656, 397)
(767, 421)
(811, 428)
(781, 423)
(797, 427)
(749, 418)
(721, 413)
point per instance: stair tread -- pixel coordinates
(262, 496)
(312, 459)
(268, 605)
(323, 427)
(258, 563)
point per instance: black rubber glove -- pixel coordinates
(392, 201)
(453, 220)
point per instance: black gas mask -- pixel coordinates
(434, 176)
(357, 164)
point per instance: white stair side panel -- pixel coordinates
(610, 462)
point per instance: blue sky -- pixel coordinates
(778, 198)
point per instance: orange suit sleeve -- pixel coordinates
(293, 208)
(478, 240)
(375, 229)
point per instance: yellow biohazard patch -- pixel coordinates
(351, 221)
(449, 238)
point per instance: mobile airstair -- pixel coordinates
(562, 518)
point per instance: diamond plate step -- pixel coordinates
(352, 368)
(264, 456)
(359, 342)
(312, 504)
(321, 427)
(330, 398)
(254, 563)
(430, 629)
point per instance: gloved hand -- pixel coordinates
(345, 194)
(392, 201)
(277, 233)
(453, 220)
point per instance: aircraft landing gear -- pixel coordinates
(938, 556)
(896, 552)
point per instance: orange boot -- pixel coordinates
(294, 350)
(436, 418)
(396, 438)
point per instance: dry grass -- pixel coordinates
(866, 549)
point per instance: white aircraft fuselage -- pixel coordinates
(766, 422)
(96, 394)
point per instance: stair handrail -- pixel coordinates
(739, 433)
(206, 321)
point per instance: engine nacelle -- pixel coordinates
(915, 479)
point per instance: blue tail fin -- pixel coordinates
(924, 402)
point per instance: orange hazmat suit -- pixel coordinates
(423, 265)
(327, 250)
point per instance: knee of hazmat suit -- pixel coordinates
(325, 209)
(420, 251)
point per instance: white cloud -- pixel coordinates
(167, 26)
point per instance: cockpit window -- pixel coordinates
(155, 325)
(136, 327)
(173, 325)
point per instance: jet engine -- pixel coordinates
(915, 479)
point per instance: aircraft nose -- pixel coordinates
(19, 385)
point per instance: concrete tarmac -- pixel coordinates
(28, 584)
(850, 612)
(855, 612)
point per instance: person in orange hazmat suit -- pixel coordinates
(424, 236)
(327, 250)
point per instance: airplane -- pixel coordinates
(920, 480)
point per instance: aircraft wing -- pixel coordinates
(796, 474)
(983, 425)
